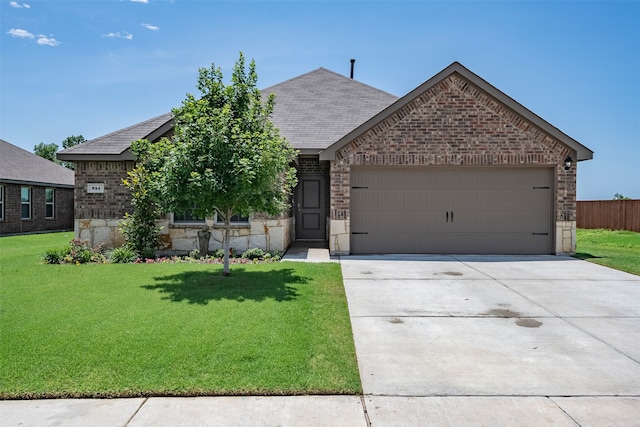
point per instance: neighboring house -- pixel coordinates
(454, 166)
(35, 194)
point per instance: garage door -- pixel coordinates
(451, 210)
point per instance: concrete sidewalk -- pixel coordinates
(443, 341)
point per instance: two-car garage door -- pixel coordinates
(460, 210)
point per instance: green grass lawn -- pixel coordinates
(617, 249)
(169, 329)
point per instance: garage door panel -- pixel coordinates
(388, 221)
(451, 210)
(447, 243)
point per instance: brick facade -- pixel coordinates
(116, 199)
(62, 217)
(454, 123)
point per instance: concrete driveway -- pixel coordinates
(489, 340)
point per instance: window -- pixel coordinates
(49, 200)
(1, 202)
(187, 217)
(25, 200)
(236, 219)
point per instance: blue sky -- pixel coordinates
(93, 67)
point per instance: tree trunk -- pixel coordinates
(225, 243)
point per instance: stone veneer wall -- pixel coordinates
(454, 123)
(268, 234)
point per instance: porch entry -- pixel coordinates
(309, 208)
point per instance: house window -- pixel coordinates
(25, 203)
(187, 217)
(49, 200)
(236, 219)
(1, 202)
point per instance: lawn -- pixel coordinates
(169, 329)
(617, 249)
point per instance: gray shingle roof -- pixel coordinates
(118, 142)
(312, 111)
(22, 167)
(318, 108)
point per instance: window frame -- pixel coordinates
(1, 202)
(190, 221)
(240, 221)
(28, 203)
(51, 203)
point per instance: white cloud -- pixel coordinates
(26, 6)
(47, 41)
(150, 27)
(24, 34)
(140, 1)
(119, 35)
(17, 5)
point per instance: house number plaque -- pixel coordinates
(95, 188)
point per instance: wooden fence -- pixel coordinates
(611, 214)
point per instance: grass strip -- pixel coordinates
(619, 249)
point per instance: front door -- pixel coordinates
(310, 208)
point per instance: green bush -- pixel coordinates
(78, 252)
(54, 256)
(123, 255)
(254, 253)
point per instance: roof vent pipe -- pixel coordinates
(353, 61)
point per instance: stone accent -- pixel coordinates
(566, 237)
(339, 237)
(99, 232)
(268, 234)
(454, 123)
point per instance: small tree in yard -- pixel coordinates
(140, 229)
(225, 157)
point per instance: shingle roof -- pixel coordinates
(318, 108)
(22, 167)
(118, 142)
(312, 111)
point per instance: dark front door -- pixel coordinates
(310, 208)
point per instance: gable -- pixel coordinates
(456, 108)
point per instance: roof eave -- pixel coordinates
(37, 183)
(124, 156)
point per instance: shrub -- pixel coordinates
(78, 252)
(123, 255)
(54, 256)
(140, 229)
(254, 253)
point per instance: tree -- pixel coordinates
(47, 151)
(225, 157)
(140, 228)
(70, 141)
(619, 196)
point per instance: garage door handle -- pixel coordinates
(451, 216)
(447, 216)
